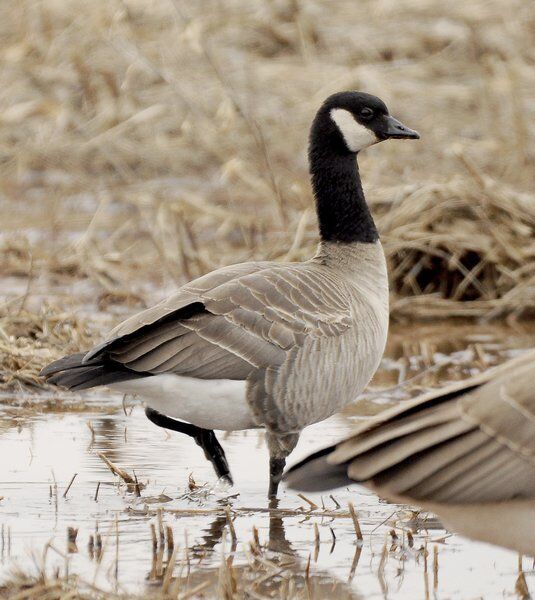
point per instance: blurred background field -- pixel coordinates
(144, 143)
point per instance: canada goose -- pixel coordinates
(264, 344)
(465, 452)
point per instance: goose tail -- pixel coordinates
(72, 373)
(316, 474)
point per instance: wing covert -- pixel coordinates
(232, 321)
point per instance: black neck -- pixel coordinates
(343, 214)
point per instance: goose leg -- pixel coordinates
(276, 467)
(205, 438)
(280, 447)
(214, 452)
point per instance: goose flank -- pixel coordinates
(264, 344)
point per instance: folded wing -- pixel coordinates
(229, 323)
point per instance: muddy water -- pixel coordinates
(43, 444)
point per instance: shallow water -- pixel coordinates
(44, 443)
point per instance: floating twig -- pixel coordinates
(313, 505)
(69, 486)
(336, 503)
(117, 470)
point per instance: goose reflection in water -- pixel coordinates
(273, 567)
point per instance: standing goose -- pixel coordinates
(264, 344)
(465, 452)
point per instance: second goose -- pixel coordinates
(263, 344)
(465, 452)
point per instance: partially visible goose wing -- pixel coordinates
(231, 321)
(472, 442)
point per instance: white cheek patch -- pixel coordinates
(356, 136)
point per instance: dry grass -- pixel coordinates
(29, 340)
(144, 143)
(261, 579)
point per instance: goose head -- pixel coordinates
(352, 121)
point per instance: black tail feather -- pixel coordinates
(316, 474)
(71, 373)
(63, 364)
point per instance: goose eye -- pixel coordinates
(366, 113)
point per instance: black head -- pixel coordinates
(353, 121)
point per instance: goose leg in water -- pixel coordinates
(205, 438)
(276, 467)
(279, 447)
